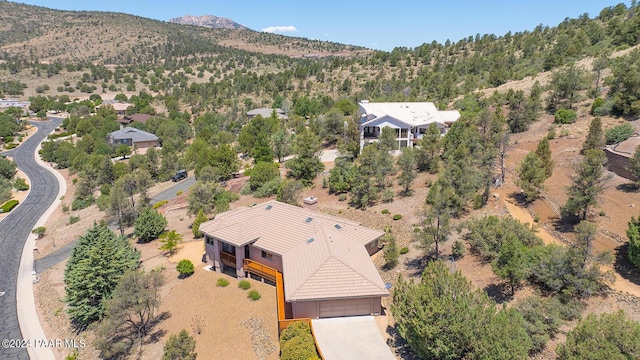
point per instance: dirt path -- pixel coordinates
(524, 216)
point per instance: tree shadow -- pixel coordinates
(500, 293)
(518, 198)
(562, 225)
(627, 187)
(624, 266)
(417, 265)
(399, 345)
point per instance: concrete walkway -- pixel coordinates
(348, 338)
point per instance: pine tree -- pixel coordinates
(428, 151)
(588, 184)
(633, 233)
(97, 262)
(407, 164)
(595, 139)
(530, 178)
(442, 317)
(195, 228)
(307, 162)
(634, 166)
(544, 153)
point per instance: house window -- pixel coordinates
(267, 255)
(228, 248)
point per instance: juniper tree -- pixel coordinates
(588, 184)
(97, 262)
(595, 139)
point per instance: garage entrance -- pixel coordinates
(345, 307)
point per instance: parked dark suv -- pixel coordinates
(180, 174)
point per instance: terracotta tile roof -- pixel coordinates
(323, 256)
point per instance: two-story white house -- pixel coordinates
(410, 120)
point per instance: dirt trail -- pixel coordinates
(524, 216)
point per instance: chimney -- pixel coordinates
(310, 202)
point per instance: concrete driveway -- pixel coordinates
(349, 338)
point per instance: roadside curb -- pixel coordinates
(26, 307)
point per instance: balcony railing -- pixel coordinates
(228, 259)
(370, 135)
(255, 267)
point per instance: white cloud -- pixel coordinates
(280, 29)
(327, 34)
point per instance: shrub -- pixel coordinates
(544, 316)
(10, 146)
(222, 282)
(8, 206)
(39, 231)
(80, 203)
(59, 135)
(619, 133)
(244, 285)
(565, 116)
(20, 184)
(385, 211)
(159, 204)
(296, 342)
(342, 197)
(179, 193)
(458, 250)
(397, 217)
(299, 348)
(404, 250)
(551, 134)
(597, 103)
(185, 268)
(149, 225)
(254, 295)
(73, 219)
(387, 196)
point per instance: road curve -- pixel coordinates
(16, 228)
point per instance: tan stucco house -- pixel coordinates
(410, 120)
(131, 136)
(324, 260)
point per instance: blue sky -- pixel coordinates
(374, 24)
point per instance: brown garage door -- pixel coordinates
(352, 307)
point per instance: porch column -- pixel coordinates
(217, 264)
(240, 262)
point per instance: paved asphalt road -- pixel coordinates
(170, 193)
(17, 226)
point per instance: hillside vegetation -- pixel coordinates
(214, 69)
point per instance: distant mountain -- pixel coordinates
(209, 21)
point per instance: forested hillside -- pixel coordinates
(210, 69)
